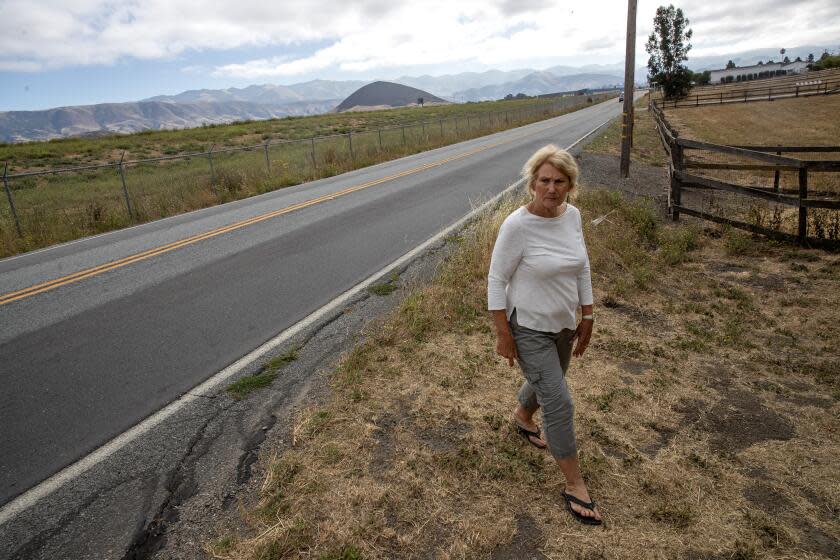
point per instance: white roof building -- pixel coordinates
(758, 71)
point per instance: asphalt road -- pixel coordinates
(82, 362)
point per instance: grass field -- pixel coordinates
(706, 412)
(56, 208)
(804, 121)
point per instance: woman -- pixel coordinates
(539, 275)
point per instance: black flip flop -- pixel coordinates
(527, 434)
(580, 517)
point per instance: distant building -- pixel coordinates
(757, 72)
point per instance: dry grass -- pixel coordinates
(706, 412)
(808, 121)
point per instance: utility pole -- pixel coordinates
(629, 71)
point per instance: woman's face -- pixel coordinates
(550, 187)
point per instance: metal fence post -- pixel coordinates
(212, 169)
(403, 134)
(11, 200)
(379, 130)
(312, 151)
(267, 161)
(125, 189)
(352, 157)
(424, 130)
(803, 210)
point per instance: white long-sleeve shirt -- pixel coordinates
(540, 268)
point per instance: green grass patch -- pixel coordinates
(244, 386)
(279, 361)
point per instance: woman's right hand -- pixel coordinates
(506, 347)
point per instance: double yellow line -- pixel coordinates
(113, 265)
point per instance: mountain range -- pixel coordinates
(214, 106)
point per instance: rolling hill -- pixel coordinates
(385, 95)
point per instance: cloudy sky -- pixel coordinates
(69, 52)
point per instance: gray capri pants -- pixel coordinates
(544, 359)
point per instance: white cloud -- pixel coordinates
(374, 35)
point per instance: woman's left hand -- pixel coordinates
(582, 335)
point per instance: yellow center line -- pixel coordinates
(113, 265)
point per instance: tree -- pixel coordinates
(730, 64)
(760, 63)
(798, 59)
(702, 78)
(668, 47)
(827, 62)
(811, 58)
(786, 60)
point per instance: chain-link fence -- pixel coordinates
(54, 205)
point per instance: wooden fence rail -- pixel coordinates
(683, 179)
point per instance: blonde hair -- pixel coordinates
(559, 158)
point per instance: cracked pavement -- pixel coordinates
(177, 487)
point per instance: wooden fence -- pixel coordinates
(744, 95)
(685, 178)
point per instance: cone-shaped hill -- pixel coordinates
(384, 95)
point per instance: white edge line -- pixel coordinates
(50, 485)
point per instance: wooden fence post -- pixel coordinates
(803, 210)
(776, 176)
(350, 140)
(676, 190)
(312, 152)
(267, 161)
